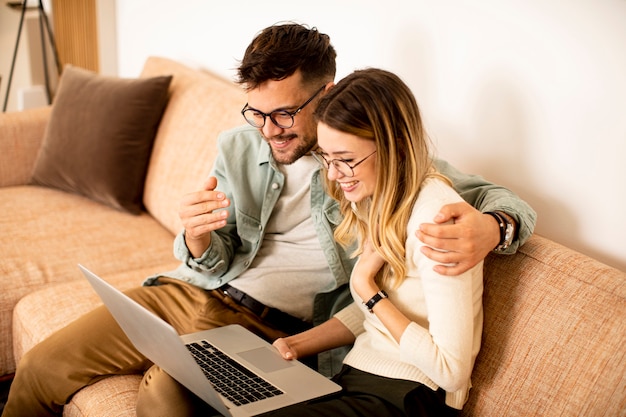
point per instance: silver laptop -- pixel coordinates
(270, 381)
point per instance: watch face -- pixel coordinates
(508, 237)
(376, 298)
(507, 229)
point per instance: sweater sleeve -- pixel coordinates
(444, 346)
(444, 350)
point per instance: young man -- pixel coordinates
(257, 247)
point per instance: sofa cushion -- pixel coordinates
(47, 232)
(100, 135)
(201, 105)
(32, 321)
(110, 397)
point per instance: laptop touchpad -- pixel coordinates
(266, 359)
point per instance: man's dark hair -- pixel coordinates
(279, 50)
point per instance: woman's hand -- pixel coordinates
(364, 274)
(282, 345)
(328, 335)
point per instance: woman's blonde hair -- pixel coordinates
(376, 104)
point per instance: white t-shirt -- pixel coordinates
(290, 267)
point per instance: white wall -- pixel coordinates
(530, 94)
(107, 36)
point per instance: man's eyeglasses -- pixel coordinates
(281, 118)
(340, 165)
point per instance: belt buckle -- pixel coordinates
(239, 297)
(236, 295)
(243, 299)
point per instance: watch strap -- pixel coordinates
(380, 295)
(506, 231)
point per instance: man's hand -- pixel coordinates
(199, 218)
(461, 245)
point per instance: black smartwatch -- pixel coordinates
(380, 295)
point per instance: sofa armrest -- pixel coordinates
(21, 135)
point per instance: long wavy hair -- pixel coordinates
(376, 104)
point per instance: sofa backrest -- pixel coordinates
(201, 105)
(554, 340)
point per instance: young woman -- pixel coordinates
(415, 333)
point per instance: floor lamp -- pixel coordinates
(43, 21)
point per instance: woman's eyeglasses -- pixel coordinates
(340, 165)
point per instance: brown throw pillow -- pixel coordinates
(99, 137)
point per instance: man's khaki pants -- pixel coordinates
(94, 347)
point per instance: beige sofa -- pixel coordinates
(555, 320)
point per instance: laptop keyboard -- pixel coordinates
(232, 380)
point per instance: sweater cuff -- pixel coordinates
(352, 318)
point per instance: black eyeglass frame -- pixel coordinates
(291, 114)
(325, 163)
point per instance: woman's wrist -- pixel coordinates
(367, 292)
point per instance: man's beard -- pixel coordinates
(288, 158)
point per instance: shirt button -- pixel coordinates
(275, 186)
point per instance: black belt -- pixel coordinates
(272, 316)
